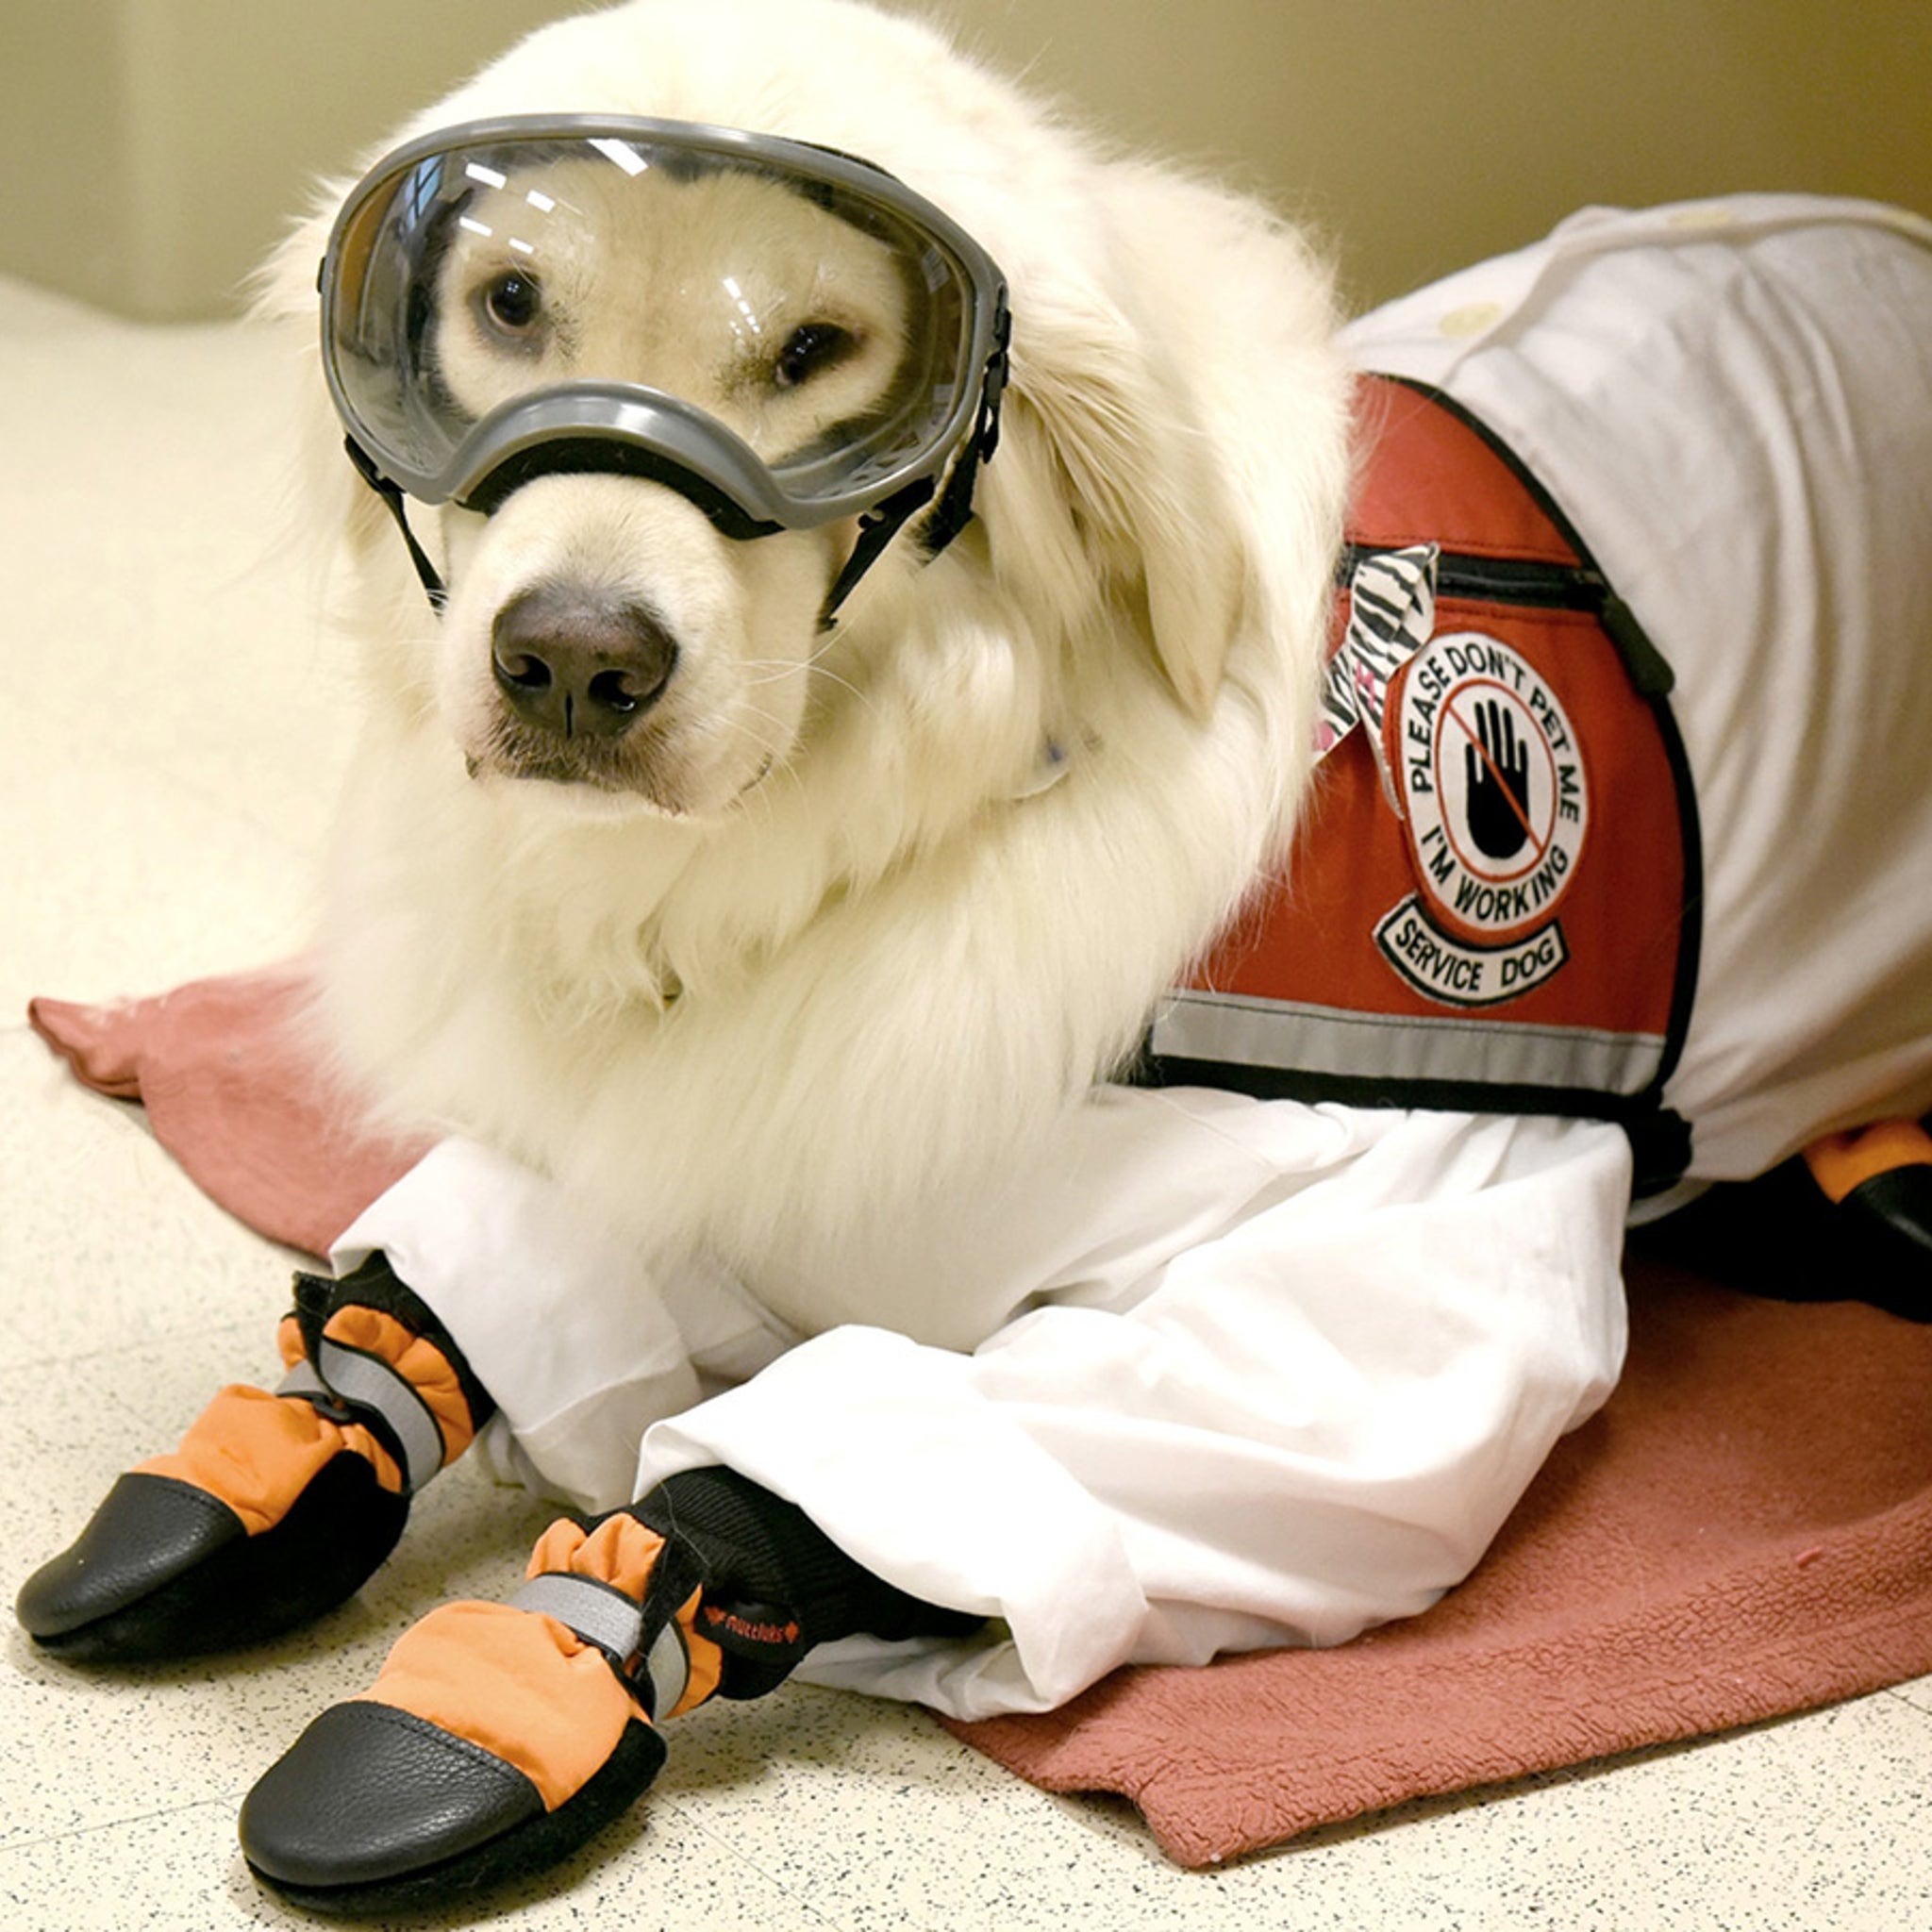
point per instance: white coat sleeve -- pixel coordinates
(582, 1345)
(1310, 1418)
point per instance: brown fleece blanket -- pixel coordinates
(1745, 1531)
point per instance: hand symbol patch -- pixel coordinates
(1496, 797)
(1497, 773)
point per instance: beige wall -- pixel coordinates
(1428, 133)
(149, 149)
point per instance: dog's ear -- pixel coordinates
(1137, 478)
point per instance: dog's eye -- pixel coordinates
(512, 304)
(809, 350)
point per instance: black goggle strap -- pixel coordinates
(876, 528)
(954, 510)
(391, 495)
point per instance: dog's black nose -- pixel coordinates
(579, 665)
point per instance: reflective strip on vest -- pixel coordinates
(1228, 1029)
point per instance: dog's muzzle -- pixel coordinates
(786, 336)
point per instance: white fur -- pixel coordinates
(762, 1023)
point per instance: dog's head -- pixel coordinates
(637, 351)
(615, 635)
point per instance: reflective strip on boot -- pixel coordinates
(622, 1557)
(605, 1617)
(597, 1612)
(369, 1383)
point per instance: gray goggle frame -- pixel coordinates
(631, 428)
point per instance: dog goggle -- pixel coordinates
(784, 335)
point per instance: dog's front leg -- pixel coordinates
(500, 1736)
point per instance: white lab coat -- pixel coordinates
(1257, 1372)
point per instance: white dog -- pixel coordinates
(805, 921)
(756, 868)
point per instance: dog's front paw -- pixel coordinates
(498, 1739)
(171, 1566)
(276, 1506)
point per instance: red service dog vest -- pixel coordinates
(1490, 903)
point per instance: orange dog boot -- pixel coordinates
(1882, 1173)
(499, 1738)
(276, 1506)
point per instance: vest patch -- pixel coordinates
(1496, 802)
(1455, 974)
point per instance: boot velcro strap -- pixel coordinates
(615, 1623)
(367, 1383)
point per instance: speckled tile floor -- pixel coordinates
(172, 716)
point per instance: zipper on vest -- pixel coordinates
(1533, 585)
(1501, 579)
